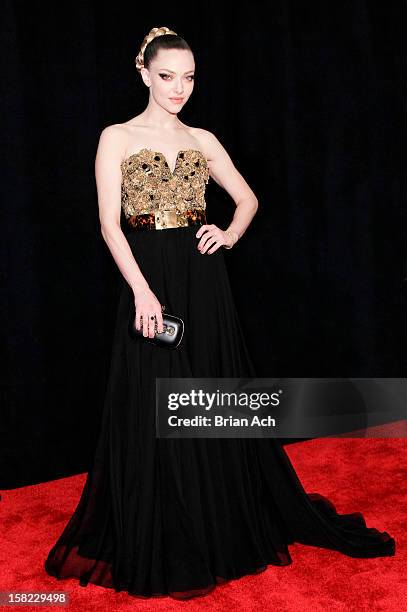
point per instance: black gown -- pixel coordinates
(178, 516)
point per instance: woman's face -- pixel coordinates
(171, 78)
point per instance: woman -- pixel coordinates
(164, 516)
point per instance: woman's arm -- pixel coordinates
(108, 181)
(224, 172)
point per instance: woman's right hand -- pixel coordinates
(147, 305)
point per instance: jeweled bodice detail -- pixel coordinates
(149, 185)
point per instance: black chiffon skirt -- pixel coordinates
(177, 517)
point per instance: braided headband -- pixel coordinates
(150, 36)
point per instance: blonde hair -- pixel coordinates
(153, 33)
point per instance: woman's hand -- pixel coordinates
(147, 306)
(212, 237)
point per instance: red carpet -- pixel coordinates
(367, 475)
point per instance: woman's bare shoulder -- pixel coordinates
(207, 140)
(197, 132)
(118, 135)
(115, 133)
(120, 128)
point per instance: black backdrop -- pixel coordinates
(310, 101)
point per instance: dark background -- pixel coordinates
(309, 99)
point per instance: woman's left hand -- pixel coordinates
(212, 237)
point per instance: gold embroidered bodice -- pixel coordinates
(148, 184)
